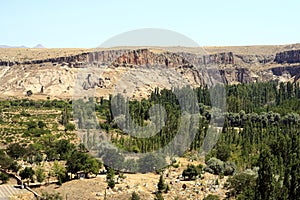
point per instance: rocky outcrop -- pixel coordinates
(292, 70)
(97, 57)
(292, 56)
(132, 57)
(220, 58)
(144, 57)
(143, 68)
(236, 75)
(255, 59)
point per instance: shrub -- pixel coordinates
(69, 127)
(110, 178)
(212, 197)
(135, 196)
(218, 167)
(28, 172)
(16, 151)
(229, 168)
(111, 184)
(161, 186)
(223, 152)
(29, 93)
(40, 174)
(242, 186)
(41, 124)
(159, 196)
(4, 177)
(215, 166)
(191, 172)
(48, 196)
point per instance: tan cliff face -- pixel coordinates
(142, 69)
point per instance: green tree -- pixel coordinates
(110, 178)
(4, 177)
(242, 186)
(161, 186)
(41, 124)
(265, 181)
(191, 172)
(27, 173)
(92, 165)
(59, 172)
(16, 151)
(6, 162)
(65, 116)
(40, 174)
(78, 161)
(215, 166)
(29, 93)
(223, 152)
(14, 166)
(64, 148)
(69, 127)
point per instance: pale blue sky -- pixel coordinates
(89, 23)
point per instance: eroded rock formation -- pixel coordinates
(57, 76)
(292, 56)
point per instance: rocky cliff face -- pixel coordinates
(146, 68)
(292, 56)
(132, 57)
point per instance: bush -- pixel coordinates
(53, 196)
(218, 167)
(159, 196)
(28, 172)
(40, 174)
(110, 178)
(161, 186)
(111, 184)
(135, 196)
(229, 168)
(212, 197)
(223, 152)
(215, 166)
(191, 172)
(69, 127)
(16, 151)
(29, 93)
(242, 186)
(4, 177)
(130, 165)
(59, 171)
(41, 124)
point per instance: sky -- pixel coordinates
(89, 23)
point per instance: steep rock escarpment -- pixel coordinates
(97, 57)
(292, 56)
(219, 58)
(132, 57)
(144, 57)
(236, 75)
(57, 76)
